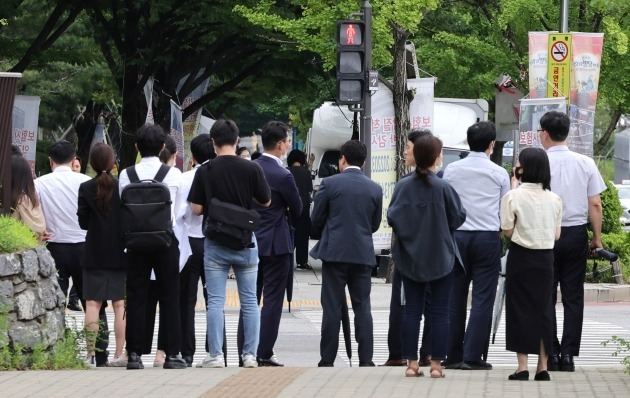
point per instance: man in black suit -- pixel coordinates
(275, 244)
(347, 211)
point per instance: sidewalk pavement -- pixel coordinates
(307, 382)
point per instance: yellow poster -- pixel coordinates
(559, 65)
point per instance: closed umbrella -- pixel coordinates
(499, 299)
(345, 326)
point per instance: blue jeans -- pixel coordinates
(217, 260)
(414, 306)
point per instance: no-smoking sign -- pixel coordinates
(559, 51)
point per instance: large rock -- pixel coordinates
(6, 294)
(53, 327)
(30, 265)
(47, 266)
(26, 334)
(28, 304)
(9, 264)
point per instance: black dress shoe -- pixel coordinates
(134, 361)
(174, 362)
(553, 363)
(476, 365)
(395, 362)
(451, 365)
(366, 364)
(566, 363)
(543, 375)
(73, 304)
(324, 364)
(188, 359)
(305, 266)
(273, 361)
(522, 375)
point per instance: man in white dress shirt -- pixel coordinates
(576, 179)
(59, 195)
(150, 141)
(202, 150)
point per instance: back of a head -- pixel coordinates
(480, 135)
(22, 181)
(202, 149)
(426, 151)
(296, 156)
(170, 148)
(355, 152)
(418, 133)
(534, 164)
(150, 140)
(556, 124)
(224, 132)
(101, 158)
(62, 152)
(272, 133)
(15, 150)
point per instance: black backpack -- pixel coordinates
(146, 212)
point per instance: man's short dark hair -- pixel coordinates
(202, 149)
(62, 152)
(480, 135)
(355, 152)
(224, 132)
(418, 133)
(150, 140)
(556, 124)
(272, 133)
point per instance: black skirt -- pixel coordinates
(102, 284)
(528, 306)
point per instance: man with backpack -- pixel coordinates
(148, 192)
(227, 185)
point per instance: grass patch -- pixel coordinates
(15, 236)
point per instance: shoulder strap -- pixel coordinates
(131, 173)
(162, 172)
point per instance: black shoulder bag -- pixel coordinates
(227, 224)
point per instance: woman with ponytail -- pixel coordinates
(104, 272)
(424, 212)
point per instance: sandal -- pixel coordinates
(440, 373)
(413, 372)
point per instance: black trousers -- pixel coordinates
(165, 263)
(481, 254)
(302, 230)
(152, 302)
(569, 269)
(396, 314)
(68, 258)
(188, 285)
(335, 277)
(272, 272)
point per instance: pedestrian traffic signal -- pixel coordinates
(351, 72)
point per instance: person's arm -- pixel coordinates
(508, 219)
(83, 208)
(455, 212)
(320, 211)
(196, 209)
(558, 218)
(197, 195)
(291, 195)
(377, 216)
(595, 216)
(262, 192)
(31, 216)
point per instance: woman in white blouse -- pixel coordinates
(530, 216)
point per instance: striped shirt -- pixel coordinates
(575, 178)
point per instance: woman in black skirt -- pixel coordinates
(104, 272)
(530, 216)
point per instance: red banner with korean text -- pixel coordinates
(24, 126)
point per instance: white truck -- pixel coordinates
(447, 118)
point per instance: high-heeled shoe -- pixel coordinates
(522, 375)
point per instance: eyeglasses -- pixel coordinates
(540, 131)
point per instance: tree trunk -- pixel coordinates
(611, 127)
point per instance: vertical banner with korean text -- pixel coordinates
(538, 49)
(191, 124)
(177, 132)
(383, 141)
(587, 57)
(24, 126)
(559, 65)
(531, 110)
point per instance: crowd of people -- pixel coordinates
(231, 213)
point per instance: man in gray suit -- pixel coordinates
(347, 211)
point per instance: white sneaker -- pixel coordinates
(249, 361)
(211, 362)
(90, 362)
(120, 361)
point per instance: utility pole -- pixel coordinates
(564, 16)
(366, 116)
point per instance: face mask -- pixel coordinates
(439, 167)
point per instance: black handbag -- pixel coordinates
(228, 224)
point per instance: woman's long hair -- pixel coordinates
(102, 161)
(534, 167)
(22, 181)
(426, 150)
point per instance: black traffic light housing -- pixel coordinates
(351, 62)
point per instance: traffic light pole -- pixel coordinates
(366, 115)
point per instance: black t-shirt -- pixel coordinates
(231, 179)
